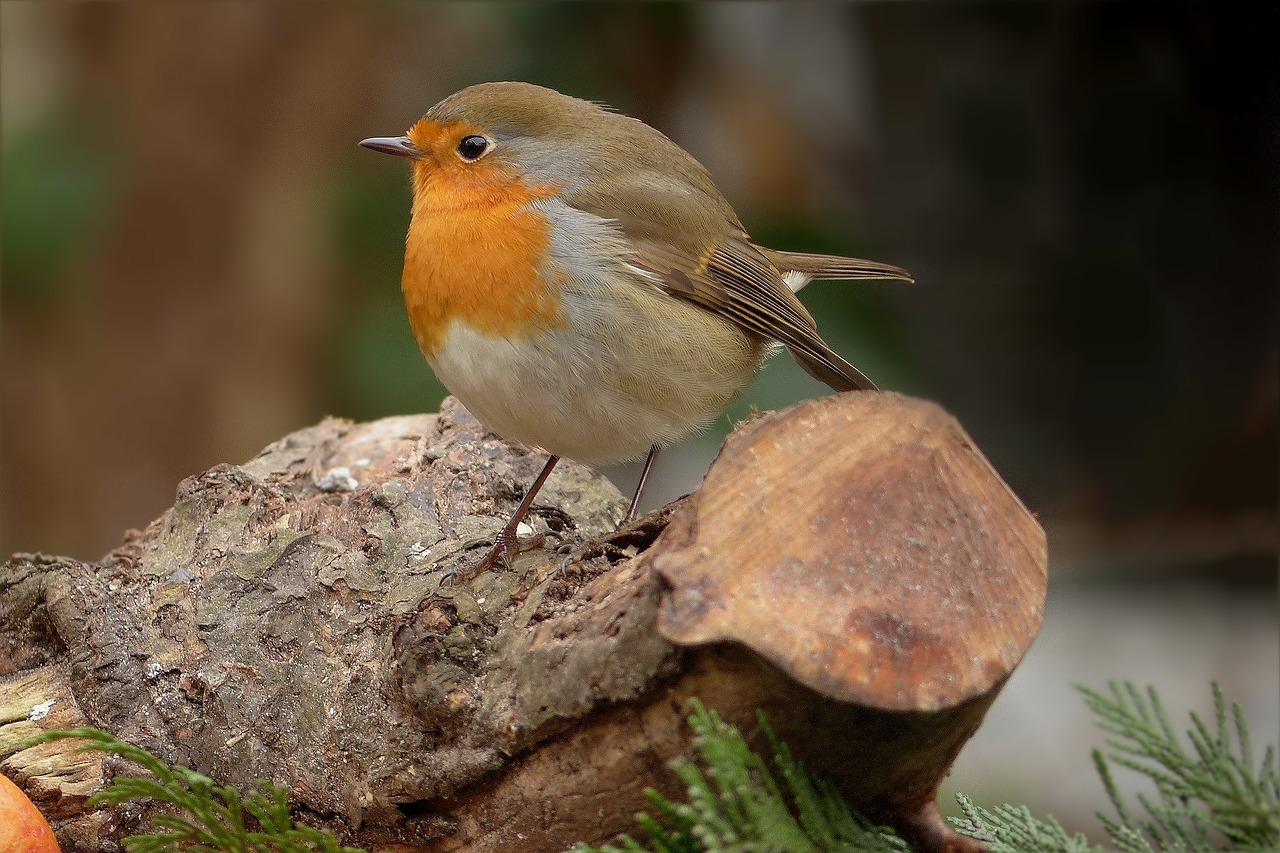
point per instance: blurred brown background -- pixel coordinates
(198, 259)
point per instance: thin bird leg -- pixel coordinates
(504, 544)
(644, 476)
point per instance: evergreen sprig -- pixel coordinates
(1213, 797)
(736, 804)
(1013, 829)
(209, 818)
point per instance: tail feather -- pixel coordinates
(811, 266)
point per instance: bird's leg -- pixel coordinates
(596, 548)
(504, 544)
(644, 476)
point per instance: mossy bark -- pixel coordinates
(306, 618)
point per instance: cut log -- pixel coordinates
(862, 546)
(852, 566)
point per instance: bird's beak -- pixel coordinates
(401, 146)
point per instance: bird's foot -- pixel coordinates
(507, 545)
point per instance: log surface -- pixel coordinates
(889, 569)
(850, 566)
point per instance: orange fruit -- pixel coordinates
(22, 828)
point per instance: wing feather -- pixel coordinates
(687, 240)
(736, 281)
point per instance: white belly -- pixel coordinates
(609, 390)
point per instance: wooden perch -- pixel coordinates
(851, 565)
(862, 546)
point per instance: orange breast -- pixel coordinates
(474, 253)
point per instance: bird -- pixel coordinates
(578, 282)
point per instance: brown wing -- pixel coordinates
(736, 281)
(686, 234)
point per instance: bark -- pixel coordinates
(852, 566)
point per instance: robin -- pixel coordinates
(575, 278)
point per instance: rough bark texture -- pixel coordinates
(851, 566)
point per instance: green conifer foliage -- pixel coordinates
(1212, 796)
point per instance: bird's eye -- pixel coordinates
(472, 147)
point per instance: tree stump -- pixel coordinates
(851, 565)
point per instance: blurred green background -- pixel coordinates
(197, 259)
